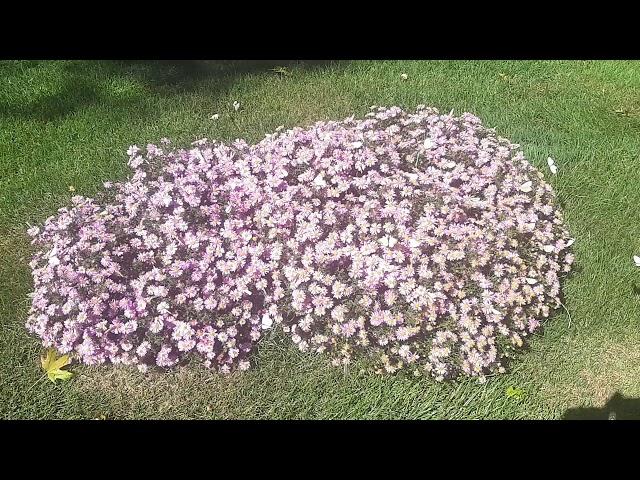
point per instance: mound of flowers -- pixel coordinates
(421, 240)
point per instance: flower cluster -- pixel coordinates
(423, 240)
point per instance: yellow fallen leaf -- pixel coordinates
(53, 366)
(72, 188)
(514, 392)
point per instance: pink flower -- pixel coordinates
(420, 237)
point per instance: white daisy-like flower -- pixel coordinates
(388, 241)
(450, 165)
(267, 321)
(133, 149)
(526, 187)
(319, 181)
(412, 176)
(163, 308)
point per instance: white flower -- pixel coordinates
(163, 307)
(526, 187)
(636, 259)
(215, 116)
(236, 105)
(156, 325)
(404, 76)
(133, 149)
(136, 161)
(450, 164)
(319, 181)
(388, 241)
(267, 321)
(413, 177)
(404, 351)
(413, 243)
(552, 165)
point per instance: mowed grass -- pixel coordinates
(69, 123)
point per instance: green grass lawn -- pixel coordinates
(69, 124)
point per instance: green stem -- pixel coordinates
(37, 381)
(233, 120)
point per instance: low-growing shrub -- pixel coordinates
(420, 239)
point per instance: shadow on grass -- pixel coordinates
(127, 83)
(617, 408)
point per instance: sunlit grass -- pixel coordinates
(70, 123)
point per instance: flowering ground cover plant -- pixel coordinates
(421, 240)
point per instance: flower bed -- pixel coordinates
(420, 239)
